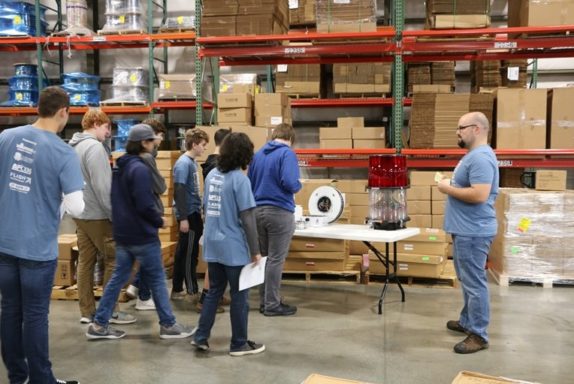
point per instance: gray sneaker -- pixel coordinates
(249, 348)
(200, 345)
(99, 332)
(176, 331)
(122, 318)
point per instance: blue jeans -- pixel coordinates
(26, 286)
(219, 276)
(149, 257)
(144, 293)
(470, 255)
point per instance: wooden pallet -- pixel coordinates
(446, 279)
(352, 95)
(505, 280)
(122, 32)
(329, 276)
(71, 293)
(176, 30)
(298, 96)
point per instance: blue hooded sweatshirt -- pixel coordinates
(274, 175)
(135, 216)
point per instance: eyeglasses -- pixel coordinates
(463, 127)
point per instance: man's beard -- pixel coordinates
(461, 143)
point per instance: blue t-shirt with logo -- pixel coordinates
(185, 172)
(478, 166)
(36, 169)
(225, 196)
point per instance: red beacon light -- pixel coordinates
(388, 183)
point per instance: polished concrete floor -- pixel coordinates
(336, 332)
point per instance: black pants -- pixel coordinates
(185, 261)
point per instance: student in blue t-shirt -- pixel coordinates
(471, 219)
(187, 204)
(230, 242)
(40, 175)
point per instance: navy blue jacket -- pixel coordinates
(135, 216)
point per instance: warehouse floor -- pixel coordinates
(337, 332)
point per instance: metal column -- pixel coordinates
(398, 77)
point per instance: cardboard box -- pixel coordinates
(415, 265)
(437, 221)
(368, 133)
(350, 122)
(425, 177)
(315, 378)
(335, 133)
(235, 115)
(422, 247)
(422, 207)
(437, 207)
(65, 273)
(65, 244)
(271, 121)
(304, 265)
(357, 199)
(310, 244)
(521, 118)
(467, 377)
(371, 143)
(176, 86)
(535, 13)
(459, 21)
(262, 99)
(420, 221)
(419, 192)
(359, 186)
(437, 195)
(234, 100)
(561, 118)
(432, 88)
(548, 180)
(430, 235)
(330, 144)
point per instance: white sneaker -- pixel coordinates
(145, 305)
(132, 291)
(85, 320)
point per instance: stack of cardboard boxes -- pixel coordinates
(514, 73)
(434, 117)
(534, 235)
(351, 132)
(272, 109)
(244, 17)
(362, 79)
(235, 108)
(177, 86)
(442, 72)
(485, 74)
(67, 260)
(418, 74)
(302, 13)
(299, 79)
(346, 16)
(560, 118)
(448, 14)
(165, 161)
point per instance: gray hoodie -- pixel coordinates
(97, 173)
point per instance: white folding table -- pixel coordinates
(367, 235)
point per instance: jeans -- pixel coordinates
(149, 257)
(94, 236)
(185, 260)
(275, 227)
(144, 293)
(219, 276)
(470, 255)
(26, 286)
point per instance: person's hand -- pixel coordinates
(443, 185)
(184, 226)
(256, 259)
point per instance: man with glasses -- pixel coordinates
(471, 220)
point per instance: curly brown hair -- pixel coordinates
(236, 152)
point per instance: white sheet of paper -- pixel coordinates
(252, 275)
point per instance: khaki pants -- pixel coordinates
(94, 236)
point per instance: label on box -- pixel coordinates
(524, 224)
(17, 20)
(293, 4)
(276, 120)
(180, 20)
(282, 68)
(342, 1)
(122, 19)
(513, 73)
(165, 85)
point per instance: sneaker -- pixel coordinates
(86, 320)
(177, 295)
(132, 291)
(249, 348)
(145, 305)
(193, 298)
(473, 343)
(67, 381)
(122, 318)
(200, 345)
(199, 307)
(454, 325)
(281, 310)
(98, 332)
(176, 331)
